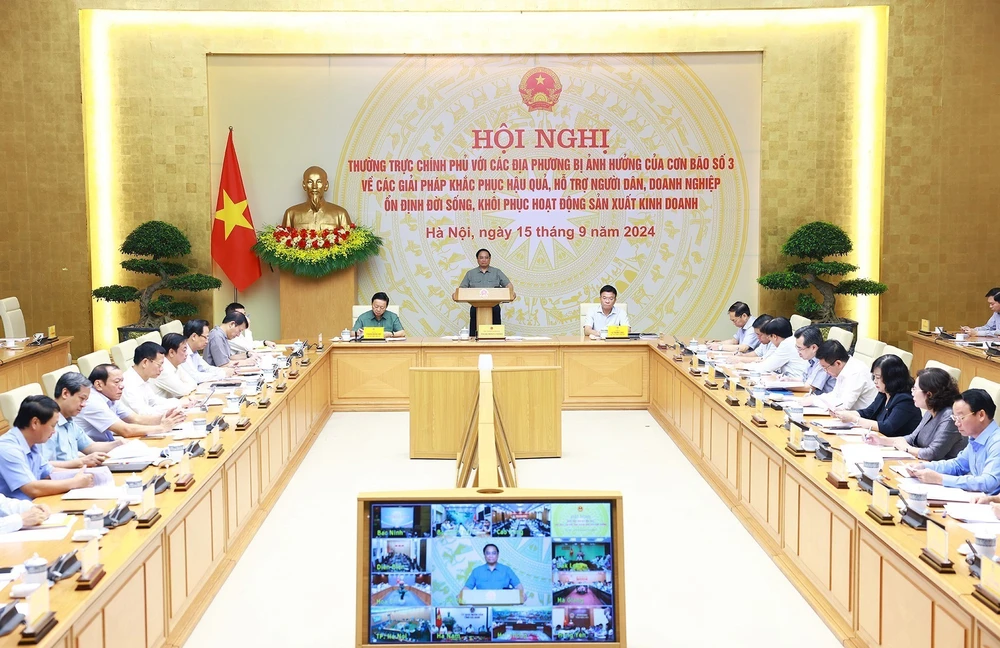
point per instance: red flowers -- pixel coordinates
(310, 239)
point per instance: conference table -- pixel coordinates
(865, 580)
(971, 361)
(160, 580)
(26, 364)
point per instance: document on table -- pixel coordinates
(56, 527)
(857, 453)
(892, 453)
(812, 410)
(979, 528)
(901, 469)
(965, 512)
(186, 431)
(102, 476)
(938, 493)
(133, 451)
(96, 493)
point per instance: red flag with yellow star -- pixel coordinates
(232, 231)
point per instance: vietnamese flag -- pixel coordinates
(232, 230)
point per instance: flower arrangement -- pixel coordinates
(315, 253)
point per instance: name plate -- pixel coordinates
(838, 467)
(38, 603)
(90, 556)
(491, 597)
(990, 577)
(937, 540)
(617, 331)
(492, 332)
(374, 332)
(880, 498)
(52, 331)
(925, 325)
(149, 498)
(795, 437)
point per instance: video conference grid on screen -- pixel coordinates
(500, 572)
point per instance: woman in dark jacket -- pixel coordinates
(936, 437)
(893, 413)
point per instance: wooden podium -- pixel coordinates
(311, 305)
(484, 299)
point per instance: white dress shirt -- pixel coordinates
(201, 371)
(785, 360)
(11, 510)
(244, 342)
(598, 321)
(138, 395)
(854, 389)
(173, 382)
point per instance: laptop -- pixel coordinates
(204, 403)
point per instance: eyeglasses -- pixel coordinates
(876, 376)
(959, 419)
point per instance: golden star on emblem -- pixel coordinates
(540, 80)
(232, 214)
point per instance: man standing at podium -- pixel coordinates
(485, 276)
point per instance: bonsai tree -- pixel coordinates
(158, 241)
(812, 242)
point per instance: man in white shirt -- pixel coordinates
(855, 388)
(244, 342)
(17, 514)
(607, 315)
(173, 382)
(196, 333)
(137, 390)
(104, 416)
(785, 359)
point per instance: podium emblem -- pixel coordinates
(484, 293)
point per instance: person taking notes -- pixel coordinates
(744, 339)
(854, 389)
(977, 467)
(936, 437)
(784, 360)
(992, 325)
(105, 416)
(892, 413)
(63, 449)
(379, 316)
(807, 341)
(24, 474)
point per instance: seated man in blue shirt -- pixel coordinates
(196, 333)
(745, 339)
(104, 416)
(977, 467)
(492, 576)
(764, 347)
(24, 474)
(992, 325)
(64, 448)
(807, 341)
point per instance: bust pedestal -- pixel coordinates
(311, 305)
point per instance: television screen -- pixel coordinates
(492, 572)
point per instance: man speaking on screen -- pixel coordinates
(493, 575)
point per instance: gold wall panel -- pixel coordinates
(941, 118)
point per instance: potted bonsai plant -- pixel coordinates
(812, 243)
(158, 241)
